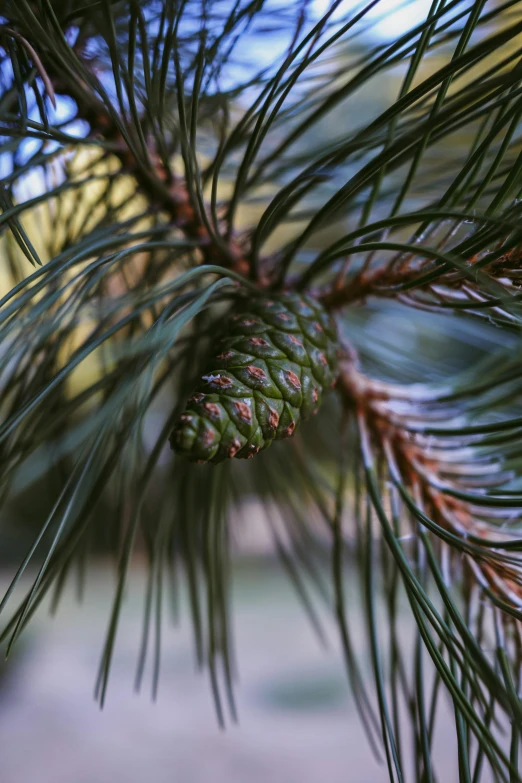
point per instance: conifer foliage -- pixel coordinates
(210, 214)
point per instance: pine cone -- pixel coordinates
(276, 359)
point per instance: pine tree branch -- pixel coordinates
(164, 191)
(487, 281)
(380, 283)
(451, 487)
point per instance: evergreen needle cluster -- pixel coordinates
(161, 159)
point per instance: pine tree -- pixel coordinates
(199, 220)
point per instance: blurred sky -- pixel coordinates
(390, 18)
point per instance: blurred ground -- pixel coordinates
(297, 719)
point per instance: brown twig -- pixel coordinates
(385, 281)
(436, 466)
(377, 282)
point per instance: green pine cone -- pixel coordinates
(276, 359)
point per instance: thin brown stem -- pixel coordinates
(436, 470)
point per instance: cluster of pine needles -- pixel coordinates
(157, 155)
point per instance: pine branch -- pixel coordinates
(120, 317)
(429, 494)
(450, 473)
(164, 190)
(439, 278)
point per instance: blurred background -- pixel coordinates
(297, 722)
